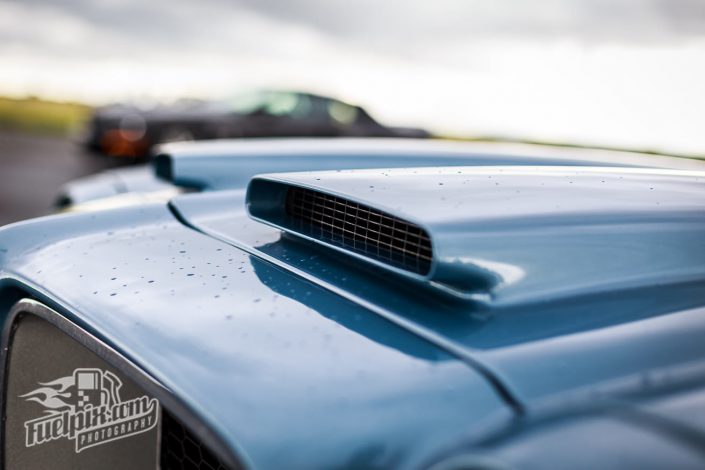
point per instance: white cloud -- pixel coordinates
(624, 73)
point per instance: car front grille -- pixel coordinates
(181, 450)
(359, 228)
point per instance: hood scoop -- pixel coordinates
(500, 234)
(374, 233)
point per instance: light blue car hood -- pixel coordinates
(598, 286)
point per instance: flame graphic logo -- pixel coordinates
(87, 387)
(51, 395)
(86, 407)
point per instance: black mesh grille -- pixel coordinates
(181, 450)
(360, 228)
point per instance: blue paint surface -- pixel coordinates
(305, 357)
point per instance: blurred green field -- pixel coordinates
(39, 116)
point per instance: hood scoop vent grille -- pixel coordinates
(358, 228)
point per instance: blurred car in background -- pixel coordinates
(129, 131)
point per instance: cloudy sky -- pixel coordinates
(627, 73)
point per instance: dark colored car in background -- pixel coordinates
(128, 131)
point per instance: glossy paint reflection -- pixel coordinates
(267, 359)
